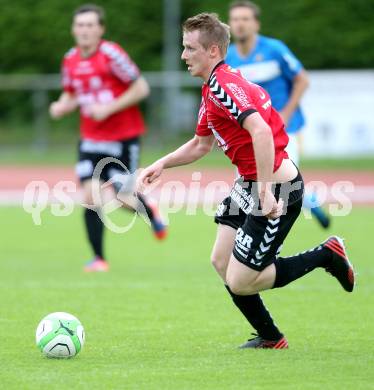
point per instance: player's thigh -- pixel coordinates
(223, 248)
(243, 280)
(228, 217)
(85, 169)
(246, 262)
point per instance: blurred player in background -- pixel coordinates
(100, 79)
(265, 201)
(270, 63)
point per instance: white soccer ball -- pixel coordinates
(60, 335)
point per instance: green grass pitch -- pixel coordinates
(161, 319)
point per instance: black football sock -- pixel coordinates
(95, 230)
(257, 315)
(291, 268)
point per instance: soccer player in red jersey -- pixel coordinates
(100, 79)
(265, 201)
(271, 64)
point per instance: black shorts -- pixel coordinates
(114, 160)
(258, 239)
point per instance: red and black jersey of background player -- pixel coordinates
(101, 78)
(227, 99)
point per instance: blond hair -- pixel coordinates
(212, 30)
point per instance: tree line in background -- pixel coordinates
(35, 34)
(324, 34)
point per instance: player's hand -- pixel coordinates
(149, 174)
(98, 112)
(271, 209)
(57, 110)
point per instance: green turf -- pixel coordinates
(161, 319)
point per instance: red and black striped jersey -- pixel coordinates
(227, 99)
(100, 78)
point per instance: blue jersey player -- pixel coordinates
(271, 64)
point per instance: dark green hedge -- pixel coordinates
(323, 33)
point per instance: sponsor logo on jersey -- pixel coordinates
(239, 94)
(95, 82)
(266, 105)
(261, 71)
(84, 67)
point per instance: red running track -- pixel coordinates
(14, 179)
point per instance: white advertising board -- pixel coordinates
(339, 111)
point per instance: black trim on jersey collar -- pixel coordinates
(211, 74)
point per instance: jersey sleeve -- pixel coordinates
(202, 128)
(290, 65)
(120, 63)
(233, 91)
(66, 81)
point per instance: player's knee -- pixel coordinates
(239, 288)
(236, 288)
(219, 263)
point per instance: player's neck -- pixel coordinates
(246, 46)
(87, 51)
(213, 65)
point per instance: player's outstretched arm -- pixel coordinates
(66, 104)
(189, 152)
